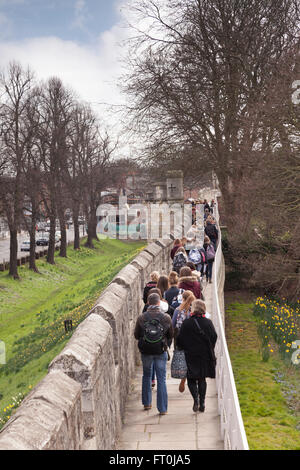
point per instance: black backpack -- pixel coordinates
(153, 340)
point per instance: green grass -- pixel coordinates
(33, 310)
(266, 389)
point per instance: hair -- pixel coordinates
(185, 272)
(191, 265)
(187, 299)
(163, 284)
(177, 242)
(153, 299)
(181, 250)
(154, 276)
(155, 290)
(173, 278)
(198, 306)
(183, 240)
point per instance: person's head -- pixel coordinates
(177, 242)
(163, 284)
(173, 278)
(206, 240)
(198, 307)
(207, 211)
(155, 290)
(209, 220)
(154, 276)
(184, 241)
(185, 272)
(181, 250)
(153, 299)
(191, 265)
(187, 299)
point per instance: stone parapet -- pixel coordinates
(80, 404)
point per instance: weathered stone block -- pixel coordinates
(50, 417)
(88, 359)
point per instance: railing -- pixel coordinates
(232, 426)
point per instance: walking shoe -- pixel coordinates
(195, 406)
(182, 386)
(147, 407)
(202, 407)
(163, 413)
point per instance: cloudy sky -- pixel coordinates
(77, 40)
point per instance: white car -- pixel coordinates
(25, 245)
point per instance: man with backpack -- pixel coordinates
(154, 333)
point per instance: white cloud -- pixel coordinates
(92, 71)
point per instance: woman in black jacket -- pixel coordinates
(197, 338)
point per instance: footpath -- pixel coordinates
(181, 428)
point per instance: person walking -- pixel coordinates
(211, 231)
(154, 276)
(154, 333)
(180, 260)
(173, 290)
(189, 282)
(163, 284)
(165, 308)
(180, 315)
(177, 244)
(210, 258)
(197, 337)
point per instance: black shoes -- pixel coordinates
(196, 406)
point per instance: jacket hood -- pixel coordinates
(188, 279)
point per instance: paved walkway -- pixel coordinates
(181, 428)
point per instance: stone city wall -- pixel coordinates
(80, 403)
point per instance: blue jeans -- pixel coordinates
(160, 364)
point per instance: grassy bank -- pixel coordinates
(33, 310)
(267, 389)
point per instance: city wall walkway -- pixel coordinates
(181, 428)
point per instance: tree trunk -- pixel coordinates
(51, 246)
(32, 263)
(92, 226)
(63, 241)
(75, 213)
(13, 260)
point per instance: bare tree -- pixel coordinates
(56, 106)
(198, 76)
(15, 84)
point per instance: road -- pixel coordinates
(4, 244)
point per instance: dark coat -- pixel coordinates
(165, 319)
(171, 293)
(211, 231)
(192, 284)
(150, 285)
(198, 354)
(174, 249)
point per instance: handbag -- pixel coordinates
(178, 365)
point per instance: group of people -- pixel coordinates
(175, 311)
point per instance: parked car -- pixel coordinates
(57, 236)
(25, 245)
(43, 240)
